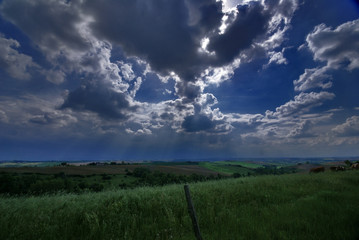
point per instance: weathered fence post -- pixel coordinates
(192, 213)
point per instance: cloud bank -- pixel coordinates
(103, 60)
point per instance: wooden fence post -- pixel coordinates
(192, 213)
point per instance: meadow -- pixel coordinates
(289, 206)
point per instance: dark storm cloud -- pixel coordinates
(187, 89)
(251, 21)
(167, 116)
(51, 24)
(168, 34)
(211, 15)
(197, 123)
(102, 100)
(159, 31)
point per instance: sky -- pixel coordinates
(184, 79)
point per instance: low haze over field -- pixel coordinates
(156, 79)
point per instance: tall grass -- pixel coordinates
(321, 206)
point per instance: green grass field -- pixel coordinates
(226, 168)
(240, 163)
(293, 206)
(28, 164)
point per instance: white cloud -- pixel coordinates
(127, 72)
(3, 117)
(129, 131)
(27, 110)
(277, 58)
(54, 76)
(217, 75)
(337, 47)
(302, 130)
(136, 86)
(313, 78)
(348, 129)
(143, 131)
(206, 100)
(302, 103)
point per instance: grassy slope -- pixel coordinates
(321, 206)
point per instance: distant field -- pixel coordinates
(77, 178)
(28, 164)
(241, 163)
(225, 167)
(320, 206)
(111, 169)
